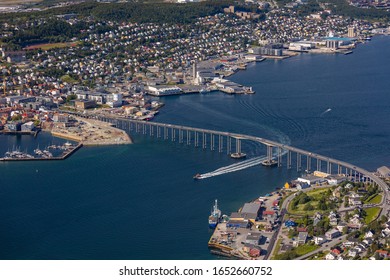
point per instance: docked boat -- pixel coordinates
(204, 91)
(269, 163)
(238, 155)
(215, 215)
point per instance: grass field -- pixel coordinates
(49, 46)
(375, 199)
(372, 213)
(304, 249)
(316, 195)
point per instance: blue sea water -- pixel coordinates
(140, 202)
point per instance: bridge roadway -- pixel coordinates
(268, 143)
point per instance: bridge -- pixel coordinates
(229, 142)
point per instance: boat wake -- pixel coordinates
(237, 166)
(234, 167)
(326, 111)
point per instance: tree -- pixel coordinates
(71, 97)
(308, 207)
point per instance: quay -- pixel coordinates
(33, 132)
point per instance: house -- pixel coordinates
(254, 252)
(318, 240)
(301, 240)
(348, 244)
(331, 234)
(385, 232)
(341, 226)
(383, 253)
(253, 238)
(354, 199)
(336, 251)
(353, 253)
(348, 186)
(369, 234)
(332, 218)
(367, 242)
(337, 192)
(317, 218)
(355, 222)
(269, 215)
(331, 256)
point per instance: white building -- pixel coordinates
(164, 90)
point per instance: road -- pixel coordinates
(325, 246)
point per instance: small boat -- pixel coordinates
(238, 155)
(197, 176)
(269, 163)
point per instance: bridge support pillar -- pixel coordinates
(289, 159)
(228, 145)
(308, 163)
(151, 130)
(318, 164)
(180, 136)
(204, 140)
(211, 142)
(220, 143)
(269, 153)
(299, 162)
(173, 134)
(165, 133)
(279, 157)
(238, 145)
(188, 140)
(196, 139)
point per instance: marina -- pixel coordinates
(67, 150)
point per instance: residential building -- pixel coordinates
(331, 234)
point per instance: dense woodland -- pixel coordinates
(134, 12)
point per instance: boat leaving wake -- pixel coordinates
(233, 167)
(326, 111)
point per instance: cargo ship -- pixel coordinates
(215, 216)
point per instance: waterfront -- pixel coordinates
(140, 201)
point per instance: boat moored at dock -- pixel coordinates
(215, 215)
